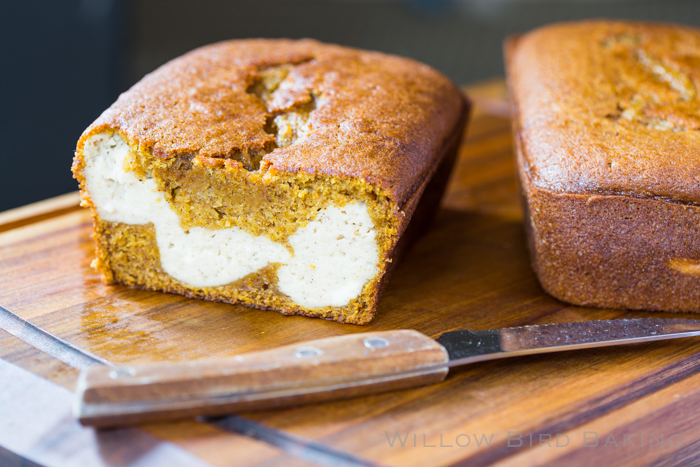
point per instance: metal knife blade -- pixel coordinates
(464, 347)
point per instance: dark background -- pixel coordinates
(64, 62)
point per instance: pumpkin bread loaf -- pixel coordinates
(606, 120)
(277, 174)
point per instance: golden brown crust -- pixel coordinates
(610, 107)
(378, 118)
(615, 251)
(622, 235)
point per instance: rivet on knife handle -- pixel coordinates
(325, 369)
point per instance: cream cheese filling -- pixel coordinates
(333, 256)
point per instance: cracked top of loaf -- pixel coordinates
(609, 107)
(349, 113)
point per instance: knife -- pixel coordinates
(332, 368)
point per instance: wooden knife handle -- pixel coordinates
(314, 371)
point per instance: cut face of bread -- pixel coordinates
(248, 172)
(325, 262)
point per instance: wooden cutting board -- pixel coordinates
(471, 270)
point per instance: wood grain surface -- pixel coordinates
(633, 405)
